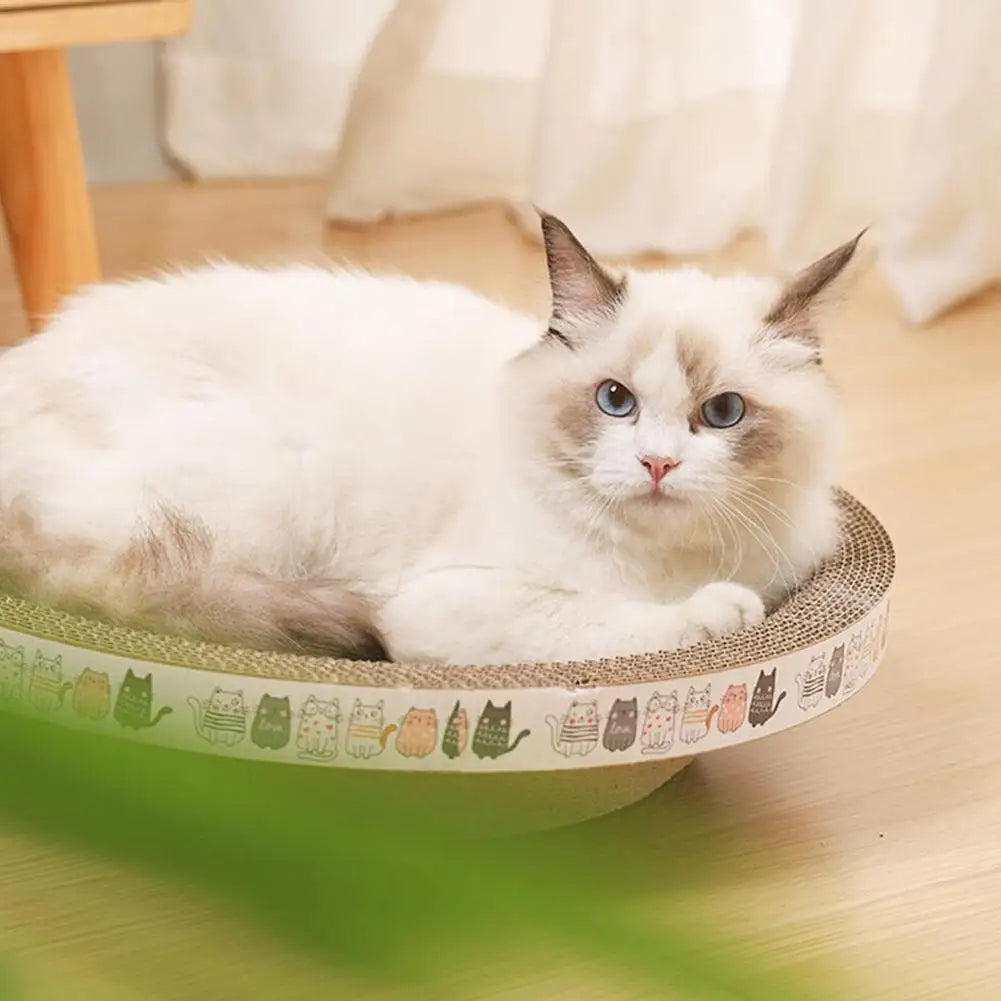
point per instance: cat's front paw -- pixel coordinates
(718, 609)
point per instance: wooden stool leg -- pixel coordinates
(42, 182)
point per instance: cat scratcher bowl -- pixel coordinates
(564, 741)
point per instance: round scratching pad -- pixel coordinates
(647, 711)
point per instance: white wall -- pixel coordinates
(116, 93)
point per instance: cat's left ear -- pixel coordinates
(582, 290)
(794, 314)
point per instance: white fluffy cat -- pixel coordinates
(338, 462)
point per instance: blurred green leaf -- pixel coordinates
(256, 834)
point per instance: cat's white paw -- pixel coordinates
(718, 609)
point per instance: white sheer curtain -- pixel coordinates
(646, 124)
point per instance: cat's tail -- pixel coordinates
(554, 729)
(709, 717)
(517, 740)
(64, 689)
(385, 735)
(167, 579)
(775, 708)
(163, 711)
(196, 712)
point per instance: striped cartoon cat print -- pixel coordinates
(576, 731)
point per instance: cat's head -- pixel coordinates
(496, 714)
(362, 713)
(11, 660)
(734, 694)
(50, 667)
(624, 709)
(222, 701)
(662, 703)
(818, 664)
(660, 398)
(93, 681)
(421, 719)
(274, 707)
(699, 697)
(315, 707)
(583, 711)
(138, 687)
(765, 684)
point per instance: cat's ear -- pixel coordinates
(507, 705)
(794, 313)
(582, 290)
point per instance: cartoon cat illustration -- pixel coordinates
(660, 719)
(221, 718)
(732, 709)
(881, 632)
(853, 663)
(11, 671)
(576, 732)
(316, 737)
(134, 704)
(418, 733)
(92, 694)
(456, 736)
(697, 715)
(811, 682)
(870, 646)
(272, 726)
(367, 735)
(834, 671)
(764, 705)
(493, 728)
(620, 730)
(46, 688)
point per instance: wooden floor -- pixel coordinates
(884, 816)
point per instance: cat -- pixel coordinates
(418, 733)
(811, 682)
(576, 732)
(881, 640)
(493, 728)
(456, 735)
(870, 645)
(530, 476)
(46, 688)
(732, 709)
(834, 671)
(620, 730)
(92, 695)
(659, 723)
(764, 705)
(316, 737)
(272, 726)
(221, 718)
(11, 671)
(367, 735)
(697, 715)
(134, 704)
(853, 663)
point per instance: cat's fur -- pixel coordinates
(834, 671)
(493, 731)
(732, 709)
(764, 705)
(11, 671)
(339, 462)
(576, 731)
(316, 737)
(46, 687)
(272, 726)
(660, 718)
(620, 730)
(418, 733)
(134, 703)
(221, 718)
(456, 735)
(92, 694)
(697, 715)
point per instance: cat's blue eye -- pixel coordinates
(614, 399)
(724, 410)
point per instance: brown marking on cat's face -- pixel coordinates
(698, 364)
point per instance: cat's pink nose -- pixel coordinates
(658, 466)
